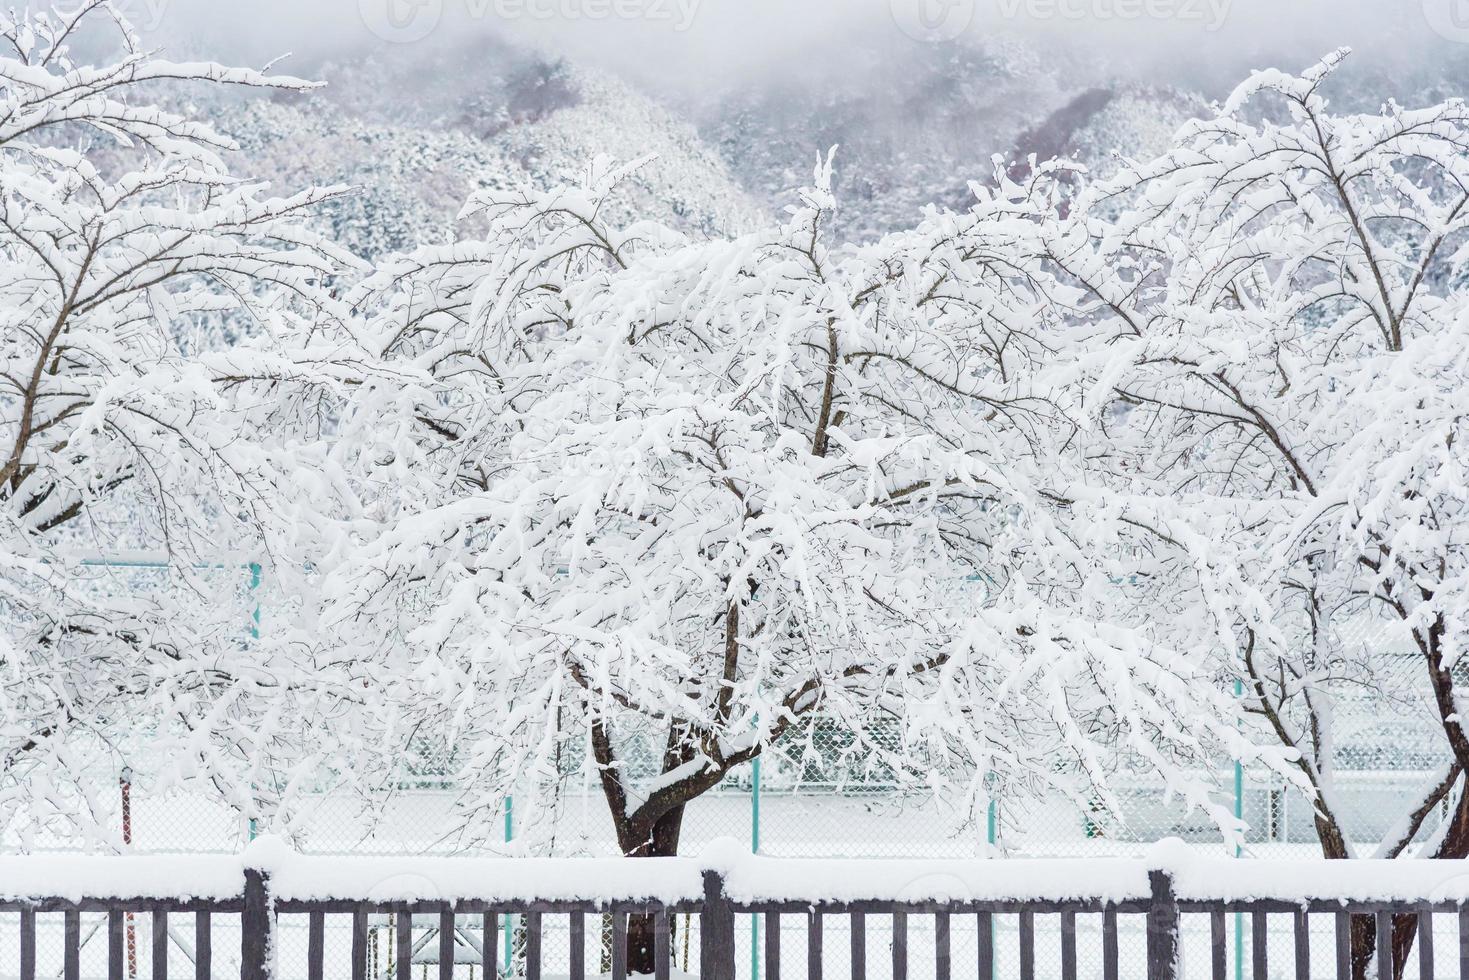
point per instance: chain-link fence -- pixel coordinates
(794, 803)
(823, 792)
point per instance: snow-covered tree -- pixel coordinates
(164, 327)
(718, 490)
(1285, 294)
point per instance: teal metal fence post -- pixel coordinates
(992, 838)
(755, 849)
(1239, 814)
(256, 574)
(509, 928)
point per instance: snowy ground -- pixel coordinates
(812, 824)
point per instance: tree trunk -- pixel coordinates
(1363, 928)
(1453, 847)
(660, 841)
(1455, 842)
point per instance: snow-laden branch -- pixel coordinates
(720, 490)
(169, 355)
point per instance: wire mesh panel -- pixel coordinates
(821, 792)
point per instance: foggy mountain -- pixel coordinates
(418, 127)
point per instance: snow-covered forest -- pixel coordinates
(559, 452)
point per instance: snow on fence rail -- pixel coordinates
(441, 906)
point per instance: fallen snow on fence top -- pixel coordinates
(428, 879)
(1220, 879)
(489, 879)
(855, 879)
(748, 878)
(73, 877)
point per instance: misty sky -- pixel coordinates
(692, 45)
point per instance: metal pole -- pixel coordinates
(256, 574)
(508, 927)
(126, 782)
(1239, 814)
(992, 838)
(755, 849)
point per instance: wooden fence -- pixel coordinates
(795, 901)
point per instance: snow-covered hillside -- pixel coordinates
(914, 123)
(504, 121)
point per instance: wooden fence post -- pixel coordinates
(257, 926)
(1162, 928)
(716, 931)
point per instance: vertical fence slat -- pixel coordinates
(1068, 946)
(716, 931)
(115, 920)
(941, 969)
(359, 944)
(900, 946)
(1109, 944)
(446, 945)
(27, 944)
(1425, 946)
(72, 946)
(1162, 939)
(1218, 946)
(1259, 947)
(160, 945)
(578, 946)
(315, 945)
(986, 940)
(489, 946)
(661, 945)
(203, 946)
(532, 945)
(403, 951)
(1027, 946)
(813, 945)
(1464, 944)
(116, 944)
(772, 946)
(1303, 947)
(1384, 946)
(255, 926)
(619, 945)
